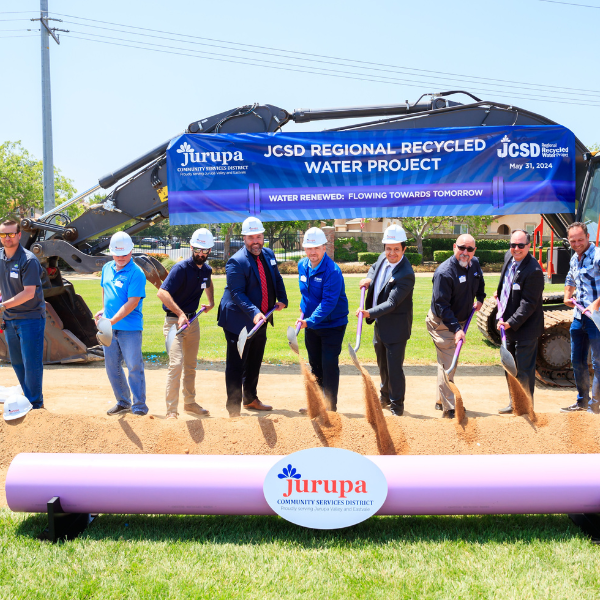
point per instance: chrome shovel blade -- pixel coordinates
(353, 356)
(293, 339)
(242, 341)
(170, 338)
(508, 361)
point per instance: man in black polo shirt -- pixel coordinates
(458, 286)
(24, 311)
(180, 294)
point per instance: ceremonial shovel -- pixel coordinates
(354, 350)
(457, 351)
(244, 335)
(506, 358)
(174, 332)
(594, 316)
(292, 336)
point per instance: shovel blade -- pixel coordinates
(353, 356)
(508, 361)
(170, 338)
(242, 341)
(293, 339)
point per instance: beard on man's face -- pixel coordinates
(199, 259)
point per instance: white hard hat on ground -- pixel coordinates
(394, 234)
(121, 244)
(16, 406)
(314, 237)
(252, 226)
(202, 238)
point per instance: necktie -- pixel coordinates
(264, 303)
(506, 287)
(383, 277)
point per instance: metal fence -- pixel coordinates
(286, 246)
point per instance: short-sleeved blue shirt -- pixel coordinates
(119, 286)
(185, 283)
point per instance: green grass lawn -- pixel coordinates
(131, 557)
(420, 349)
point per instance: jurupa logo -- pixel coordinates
(325, 488)
(524, 150)
(222, 158)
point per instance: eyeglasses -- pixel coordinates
(467, 248)
(10, 235)
(520, 246)
(201, 251)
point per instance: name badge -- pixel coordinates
(462, 279)
(391, 280)
(203, 286)
(273, 262)
(303, 278)
(14, 275)
(119, 284)
(516, 286)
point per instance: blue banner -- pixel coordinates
(223, 178)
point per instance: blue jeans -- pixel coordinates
(25, 341)
(127, 346)
(585, 335)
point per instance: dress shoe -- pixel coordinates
(196, 409)
(449, 414)
(384, 402)
(397, 408)
(507, 410)
(438, 406)
(384, 405)
(256, 404)
(594, 408)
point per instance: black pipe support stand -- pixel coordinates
(63, 525)
(589, 523)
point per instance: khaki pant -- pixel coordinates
(183, 357)
(443, 339)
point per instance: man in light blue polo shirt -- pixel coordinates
(123, 289)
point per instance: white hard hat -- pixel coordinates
(104, 335)
(394, 234)
(16, 406)
(121, 244)
(251, 226)
(314, 237)
(202, 238)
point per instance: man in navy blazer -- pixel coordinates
(254, 286)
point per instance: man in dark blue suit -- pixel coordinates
(254, 286)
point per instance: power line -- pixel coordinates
(464, 77)
(371, 68)
(16, 36)
(288, 67)
(569, 3)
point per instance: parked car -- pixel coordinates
(219, 248)
(152, 242)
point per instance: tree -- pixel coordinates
(421, 227)
(22, 183)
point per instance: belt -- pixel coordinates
(172, 314)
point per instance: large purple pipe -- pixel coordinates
(233, 485)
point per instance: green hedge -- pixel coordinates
(347, 249)
(440, 256)
(216, 263)
(412, 249)
(368, 258)
(414, 259)
(484, 256)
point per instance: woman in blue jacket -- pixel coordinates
(325, 309)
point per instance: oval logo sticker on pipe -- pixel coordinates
(325, 488)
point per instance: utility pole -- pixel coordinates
(46, 32)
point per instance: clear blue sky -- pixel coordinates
(111, 104)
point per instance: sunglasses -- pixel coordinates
(10, 235)
(201, 251)
(519, 246)
(467, 248)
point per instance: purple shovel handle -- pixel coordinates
(299, 324)
(582, 309)
(260, 323)
(460, 343)
(191, 320)
(503, 335)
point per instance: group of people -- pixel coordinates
(255, 289)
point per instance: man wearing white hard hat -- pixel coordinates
(123, 290)
(254, 287)
(180, 294)
(325, 309)
(389, 303)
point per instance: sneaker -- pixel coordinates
(117, 409)
(196, 409)
(573, 408)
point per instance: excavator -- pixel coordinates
(137, 196)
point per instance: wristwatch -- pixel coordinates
(2, 308)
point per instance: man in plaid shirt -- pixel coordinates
(583, 282)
